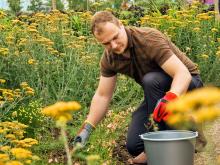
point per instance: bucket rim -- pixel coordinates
(194, 135)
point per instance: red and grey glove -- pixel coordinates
(84, 133)
(160, 113)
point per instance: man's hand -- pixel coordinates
(84, 133)
(160, 112)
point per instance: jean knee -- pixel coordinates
(134, 147)
(149, 80)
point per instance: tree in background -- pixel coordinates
(36, 5)
(54, 5)
(58, 4)
(15, 5)
(78, 5)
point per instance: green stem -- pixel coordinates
(63, 133)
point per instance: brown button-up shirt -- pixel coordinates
(147, 50)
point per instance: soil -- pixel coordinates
(207, 157)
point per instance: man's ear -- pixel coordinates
(120, 24)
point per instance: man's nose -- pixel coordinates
(113, 44)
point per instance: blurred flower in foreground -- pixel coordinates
(199, 105)
(61, 111)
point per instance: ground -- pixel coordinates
(207, 157)
(212, 150)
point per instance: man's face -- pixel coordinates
(114, 38)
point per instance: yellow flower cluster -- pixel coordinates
(25, 143)
(4, 51)
(21, 153)
(203, 16)
(199, 105)
(13, 151)
(31, 61)
(60, 111)
(9, 95)
(28, 90)
(12, 130)
(2, 81)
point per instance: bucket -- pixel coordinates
(171, 147)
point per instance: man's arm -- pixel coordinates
(180, 74)
(181, 80)
(101, 99)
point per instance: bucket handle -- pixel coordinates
(142, 137)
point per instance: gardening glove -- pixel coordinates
(160, 113)
(84, 133)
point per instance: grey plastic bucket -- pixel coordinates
(172, 147)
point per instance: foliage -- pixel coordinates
(59, 4)
(29, 114)
(36, 5)
(12, 99)
(14, 5)
(78, 5)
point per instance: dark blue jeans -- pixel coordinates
(155, 85)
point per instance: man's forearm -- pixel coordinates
(98, 108)
(181, 82)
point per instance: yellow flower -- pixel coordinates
(21, 153)
(4, 157)
(24, 84)
(203, 16)
(10, 99)
(28, 161)
(17, 90)
(32, 29)
(60, 110)
(214, 30)
(92, 158)
(196, 29)
(63, 119)
(199, 97)
(40, 15)
(4, 51)
(218, 53)
(200, 104)
(27, 142)
(2, 81)
(14, 114)
(14, 162)
(10, 136)
(60, 107)
(4, 148)
(81, 37)
(174, 119)
(34, 157)
(205, 56)
(29, 93)
(31, 61)
(211, 12)
(16, 21)
(206, 114)
(124, 22)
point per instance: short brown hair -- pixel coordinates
(102, 17)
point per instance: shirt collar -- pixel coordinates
(130, 43)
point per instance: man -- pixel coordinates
(148, 56)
